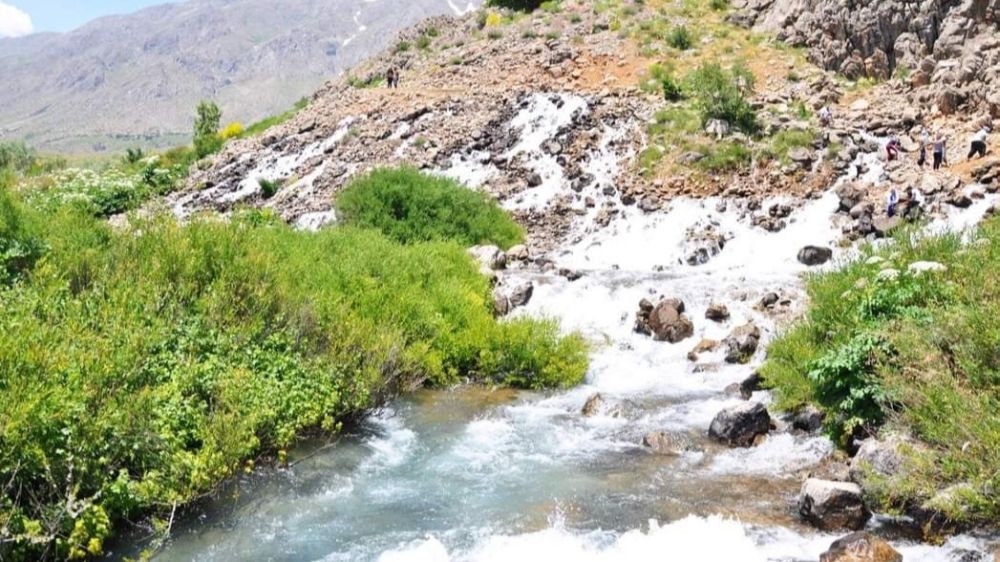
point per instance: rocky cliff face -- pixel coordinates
(951, 45)
(135, 79)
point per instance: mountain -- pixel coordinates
(135, 79)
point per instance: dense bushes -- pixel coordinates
(140, 367)
(409, 206)
(519, 5)
(722, 94)
(913, 351)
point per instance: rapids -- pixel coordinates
(473, 475)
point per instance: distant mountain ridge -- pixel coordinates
(134, 79)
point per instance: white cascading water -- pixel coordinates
(474, 476)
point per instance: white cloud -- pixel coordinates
(13, 21)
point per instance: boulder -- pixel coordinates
(521, 294)
(880, 457)
(489, 257)
(829, 505)
(861, 547)
(717, 312)
(814, 255)
(518, 253)
(667, 444)
(742, 343)
(808, 419)
(769, 300)
(592, 406)
(751, 384)
(740, 425)
(883, 226)
(665, 321)
(501, 304)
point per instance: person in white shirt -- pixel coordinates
(825, 116)
(979, 143)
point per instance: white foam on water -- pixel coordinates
(779, 454)
(391, 447)
(538, 123)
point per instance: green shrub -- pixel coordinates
(20, 241)
(718, 5)
(423, 42)
(671, 89)
(268, 188)
(722, 94)
(410, 206)
(16, 156)
(403, 46)
(680, 38)
(723, 157)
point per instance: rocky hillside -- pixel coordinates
(133, 80)
(561, 114)
(948, 50)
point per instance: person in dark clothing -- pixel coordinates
(892, 149)
(979, 143)
(939, 148)
(392, 77)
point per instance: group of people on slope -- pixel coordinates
(912, 200)
(938, 147)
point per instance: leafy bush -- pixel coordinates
(139, 368)
(410, 206)
(680, 38)
(722, 94)
(724, 156)
(20, 242)
(16, 156)
(671, 89)
(268, 188)
(133, 155)
(206, 128)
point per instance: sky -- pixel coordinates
(21, 17)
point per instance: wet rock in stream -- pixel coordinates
(830, 505)
(740, 425)
(665, 321)
(861, 547)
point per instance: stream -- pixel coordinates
(475, 475)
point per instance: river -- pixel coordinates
(475, 475)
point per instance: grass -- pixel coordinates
(916, 354)
(265, 124)
(140, 366)
(409, 206)
(786, 140)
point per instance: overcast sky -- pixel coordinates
(21, 17)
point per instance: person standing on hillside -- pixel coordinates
(392, 77)
(826, 116)
(940, 143)
(891, 201)
(979, 143)
(925, 139)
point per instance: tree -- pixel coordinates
(206, 129)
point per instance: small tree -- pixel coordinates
(206, 128)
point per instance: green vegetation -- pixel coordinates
(265, 124)
(722, 94)
(268, 188)
(206, 129)
(409, 206)
(785, 141)
(16, 157)
(141, 365)
(680, 38)
(914, 353)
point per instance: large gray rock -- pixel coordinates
(742, 343)
(740, 425)
(861, 547)
(878, 457)
(830, 505)
(814, 255)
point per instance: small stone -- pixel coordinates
(814, 255)
(664, 443)
(741, 343)
(521, 294)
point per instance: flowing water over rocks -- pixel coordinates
(469, 474)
